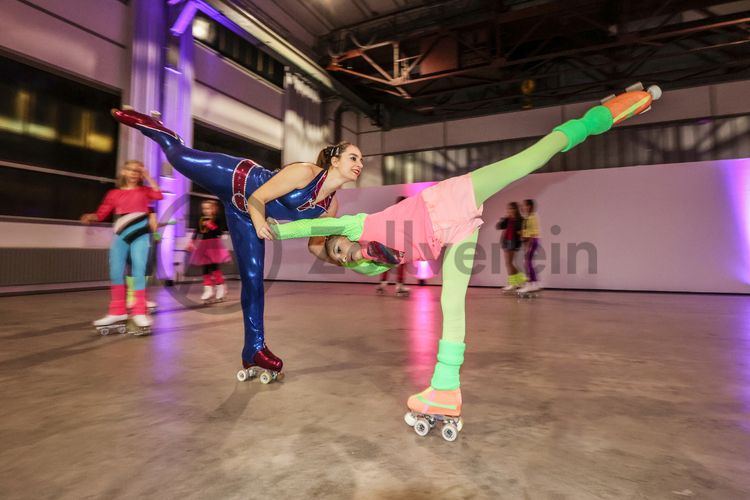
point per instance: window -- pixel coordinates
(64, 127)
(50, 121)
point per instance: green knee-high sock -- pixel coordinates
(458, 261)
(130, 281)
(490, 179)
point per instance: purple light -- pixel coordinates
(737, 177)
(417, 187)
(185, 19)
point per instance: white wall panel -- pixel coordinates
(38, 235)
(32, 33)
(225, 76)
(370, 143)
(409, 138)
(502, 126)
(349, 121)
(226, 113)
(731, 98)
(109, 18)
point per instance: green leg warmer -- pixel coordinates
(596, 121)
(450, 358)
(458, 262)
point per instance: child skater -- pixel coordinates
(209, 252)
(530, 236)
(129, 202)
(511, 226)
(448, 214)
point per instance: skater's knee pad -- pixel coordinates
(451, 353)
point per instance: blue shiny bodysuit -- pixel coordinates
(233, 180)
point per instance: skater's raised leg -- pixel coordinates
(213, 171)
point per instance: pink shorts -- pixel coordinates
(453, 209)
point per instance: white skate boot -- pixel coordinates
(208, 293)
(112, 323)
(221, 292)
(142, 325)
(380, 290)
(530, 289)
(402, 290)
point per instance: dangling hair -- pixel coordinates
(327, 153)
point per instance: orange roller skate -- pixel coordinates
(634, 101)
(431, 406)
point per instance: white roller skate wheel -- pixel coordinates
(450, 432)
(265, 378)
(636, 86)
(242, 375)
(655, 92)
(104, 331)
(410, 419)
(459, 424)
(421, 427)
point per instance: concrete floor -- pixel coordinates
(570, 396)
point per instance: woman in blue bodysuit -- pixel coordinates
(250, 193)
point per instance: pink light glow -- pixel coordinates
(424, 332)
(417, 187)
(737, 176)
(424, 271)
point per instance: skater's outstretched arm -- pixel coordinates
(348, 225)
(316, 244)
